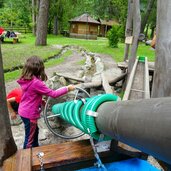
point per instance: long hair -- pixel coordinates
(34, 66)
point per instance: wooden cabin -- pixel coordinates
(84, 27)
(105, 26)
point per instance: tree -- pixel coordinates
(42, 23)
(9, 16)
(162, 75)
(1, 3)
(34, 14)
(147, 14)
(7, 144)
(57, 10)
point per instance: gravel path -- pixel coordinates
(70, 67)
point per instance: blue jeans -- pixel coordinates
(31, 133)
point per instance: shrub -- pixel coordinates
(113, 36)
(121, 33)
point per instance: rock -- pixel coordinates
(63, 81)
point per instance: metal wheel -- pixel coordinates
(55, 124)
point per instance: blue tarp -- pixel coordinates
(125, 165)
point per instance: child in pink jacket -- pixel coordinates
(33, 88)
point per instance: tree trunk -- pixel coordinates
(162, 75)
(55, 25)
(37, 13)
(147, 14)
(42, 23)
(7, 144)
(136, 32)
(34, 16)
(146, 31)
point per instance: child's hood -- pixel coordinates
(25, 84)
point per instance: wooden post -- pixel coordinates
(7, 144)
(128, 31)
(136, 32)
(162, 75)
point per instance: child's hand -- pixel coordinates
(71, 87)
(13, 115)
(43, 102)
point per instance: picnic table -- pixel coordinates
(12, 36)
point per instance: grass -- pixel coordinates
(16, 54)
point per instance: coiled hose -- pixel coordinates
(81, 113)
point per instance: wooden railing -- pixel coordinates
(19, 29)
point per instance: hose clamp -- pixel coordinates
(92, 113)
(83, 100)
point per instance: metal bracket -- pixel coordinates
(40, 156)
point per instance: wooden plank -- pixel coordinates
(9, 164)
(62, 154)
(146, 81)
(129, 84)
(21, 161)
(138, 83)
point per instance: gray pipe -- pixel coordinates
(143, 124)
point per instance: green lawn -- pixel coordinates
(16, 54)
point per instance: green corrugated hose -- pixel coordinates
(81, 114)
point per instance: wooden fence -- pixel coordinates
(19, 29)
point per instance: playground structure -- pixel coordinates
(106, 119)
(141, 123)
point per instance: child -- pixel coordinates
(13, 100)
(33, 88)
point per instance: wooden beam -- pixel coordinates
(129, 84)
(21, 161)
(62, 154)
(146, 81)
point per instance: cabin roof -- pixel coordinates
(85, 18)
(108, 22)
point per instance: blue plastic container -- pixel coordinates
(125, 165)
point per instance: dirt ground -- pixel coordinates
(69, 67)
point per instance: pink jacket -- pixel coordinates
(31, 99)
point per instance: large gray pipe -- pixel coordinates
(143, 124)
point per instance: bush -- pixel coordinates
(113, 36)
(121, 33)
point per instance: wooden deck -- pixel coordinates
(66, 157)
(54, 155)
